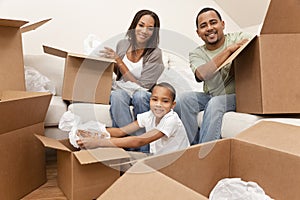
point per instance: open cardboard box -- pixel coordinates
(22, 115)
(11, 53)
(85, 174)
(266, 72)
(267, 153)
(22, 155)
(86, 78)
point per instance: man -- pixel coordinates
(219, 87)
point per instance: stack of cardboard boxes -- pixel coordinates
(22, 115)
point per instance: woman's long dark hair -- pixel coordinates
(154, 40)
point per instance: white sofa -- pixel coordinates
(177, 72)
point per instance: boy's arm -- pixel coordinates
(137, 141)
(123, 131)
(124, 142)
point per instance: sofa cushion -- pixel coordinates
(233, 123)
(54, 132)
(178, 73)
(92, 112)
(56, 109)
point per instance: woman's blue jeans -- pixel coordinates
(120, 112)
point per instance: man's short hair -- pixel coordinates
(206, 9)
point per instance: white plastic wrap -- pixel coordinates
(71, 123)
(90, 44)
(36, 82)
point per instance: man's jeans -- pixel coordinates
(189, 104)
(120, 110)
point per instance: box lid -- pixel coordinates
(274, 135)
(235, 54)
(243, 12)
(12, 23)
(64, 54)
(148, 186)
(19, 23)
(55, 51)
(100, 155)
(52, 143)
(34, 26)
(20, 109)
(282, 17)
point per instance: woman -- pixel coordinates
(138, 66)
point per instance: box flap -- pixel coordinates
(34, 26)
(108, 60)
(12, 23)
(22, 109)
(52, 143)
(9, 95)
(148, 186)
(243, 12)
(100, 155)
(55, 52)
(282, 17)
(235, 54)
(274, 135)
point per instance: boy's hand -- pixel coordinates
(93, 142)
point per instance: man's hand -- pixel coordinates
(232, 48)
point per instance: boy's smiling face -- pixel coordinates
(161, 101)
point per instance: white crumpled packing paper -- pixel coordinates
(237, 189)
(71, 123)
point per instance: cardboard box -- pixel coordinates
(148, 186)
(86, 79)
(11, 53)
(22, 155)
(266, 72)
(267, 153)
(22, 116)
(85, 174)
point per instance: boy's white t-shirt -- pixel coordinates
(175, 137)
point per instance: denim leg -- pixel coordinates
(120, 108)
(213, 115)
(188, 105)
(141, 104)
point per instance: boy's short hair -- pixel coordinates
(169, 87)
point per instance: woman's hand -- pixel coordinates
(108, 53)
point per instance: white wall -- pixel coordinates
(73, 20)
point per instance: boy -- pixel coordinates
(164, 130)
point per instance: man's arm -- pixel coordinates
(207, 70)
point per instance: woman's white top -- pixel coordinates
(136, 70)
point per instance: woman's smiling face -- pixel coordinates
(144, 29)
